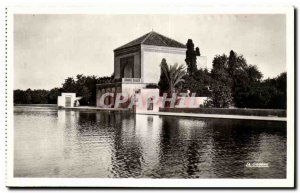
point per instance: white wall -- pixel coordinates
(131, 88)
(152, 57)
(61, 102)
(145, 94)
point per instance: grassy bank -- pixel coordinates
(246, 112)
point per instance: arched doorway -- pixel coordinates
(127, 65)
(127, 71)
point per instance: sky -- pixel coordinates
(50, 48)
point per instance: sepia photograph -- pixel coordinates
(187, 97)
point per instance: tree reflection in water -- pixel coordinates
(122, 145)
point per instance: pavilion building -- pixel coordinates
(137, 64)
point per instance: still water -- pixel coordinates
(59, 143)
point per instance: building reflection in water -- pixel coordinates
(122, 145)
(147, 131)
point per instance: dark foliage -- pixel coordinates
(36, 96)
(238, 84)
(163, 82)
(84, 86)
(53, 94)
(191, 57)
(152, 86)
(270, 93)
(232, 82)
(105, 79)
(221, 83)
(198, 83)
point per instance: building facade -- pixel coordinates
(137, 64)
(67, 100)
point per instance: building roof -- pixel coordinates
(155, 39)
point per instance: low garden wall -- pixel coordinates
(248, 112)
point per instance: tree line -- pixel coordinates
(232, 82)
(84, 86)
(236, 83)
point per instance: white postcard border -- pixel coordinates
(151, 9)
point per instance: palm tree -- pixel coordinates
(174, 74)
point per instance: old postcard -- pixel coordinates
(154, 96)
